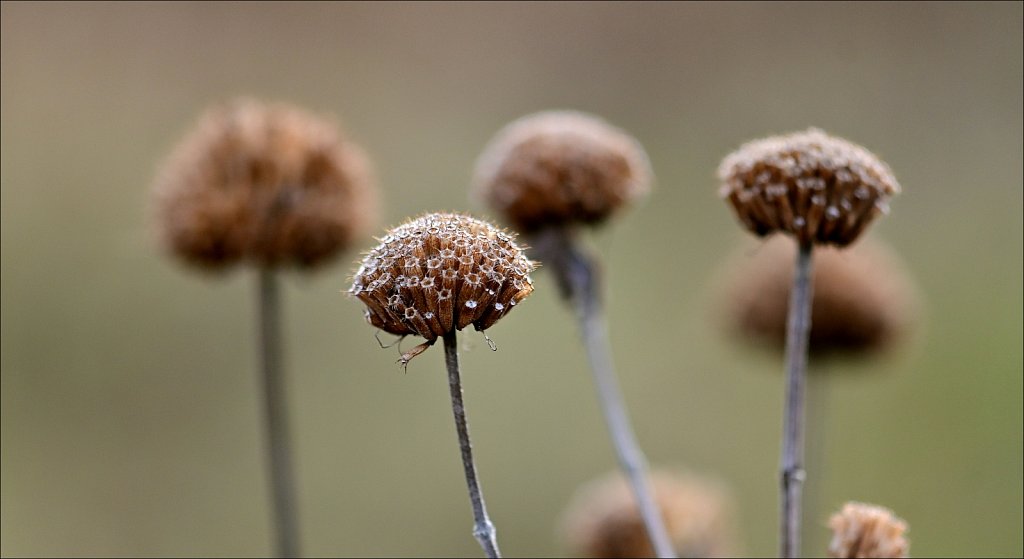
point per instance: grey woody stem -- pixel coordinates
(483, 529)
(278, 442)
(798, 331)
(578, 278)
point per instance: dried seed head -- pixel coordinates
(603, 521)
(442, 272)
(863, 299)
(559, 168)
(268, 184)
(818, 188)
(867, 531)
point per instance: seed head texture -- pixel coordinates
(866, 531)
(441, 272)
(819, 188)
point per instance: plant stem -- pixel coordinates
(578, 276)
(278, 443)
(797, 334)
(483, 529)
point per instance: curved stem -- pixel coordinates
(483, 529)
(578, 276)
(797, 334)
(282, 479)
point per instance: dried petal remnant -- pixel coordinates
(867, 531)
(863, 299)
(269, 184)
(603, 520)
(816, 187)
(442, 272)
(560, 167)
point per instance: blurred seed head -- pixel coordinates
(864, 301)
(268, 184)
(560, 168)
(603, 521)
(442, 272)
(816, 187)
(866, 531)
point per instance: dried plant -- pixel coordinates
(864, 301)
(435, 275)
(269, 185)
(821, 190)
(863, 531)
(603, 521)
(547, 174)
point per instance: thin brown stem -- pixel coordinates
(483, 529)
(797, 335)
(578, 278)
(278, 442)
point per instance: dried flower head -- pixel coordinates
(441, 272)
(867, 531)
(603, 520)
(863, 299)
(268, 184)
(560, 167)
(816, 187)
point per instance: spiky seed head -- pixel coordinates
(864, 301)
(816, 187)
(603, 521)
(866, 531)
(442, 272)
(268, 184)
(560, 168)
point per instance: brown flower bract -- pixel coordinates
(269, 184)
(867, 531)
(816, 187)
(560, 167)
(441, 272)
(602, 521)
(863, 299)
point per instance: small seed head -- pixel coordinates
(268, 184)
(560, 168)
(442, 272)
(864, 302)
(603, 521)
(866, 531)
(818, 188)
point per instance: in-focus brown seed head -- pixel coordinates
(269, 184)
(866, 531)
(442, 272)
(863, 302)
(559, 168)
(602, 521)
(816, 187)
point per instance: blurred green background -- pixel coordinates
(130, 422)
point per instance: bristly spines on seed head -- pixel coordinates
(442, 272)
(819, 188)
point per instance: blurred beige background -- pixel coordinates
(129, 416)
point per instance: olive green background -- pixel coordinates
(130, 422)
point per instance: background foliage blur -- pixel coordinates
(130, 421)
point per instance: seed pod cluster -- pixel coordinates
(603, 521)
(863, 300)
(441, 272)
(265, 183)
(861, 530)
(816, 187)
(559, 168)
